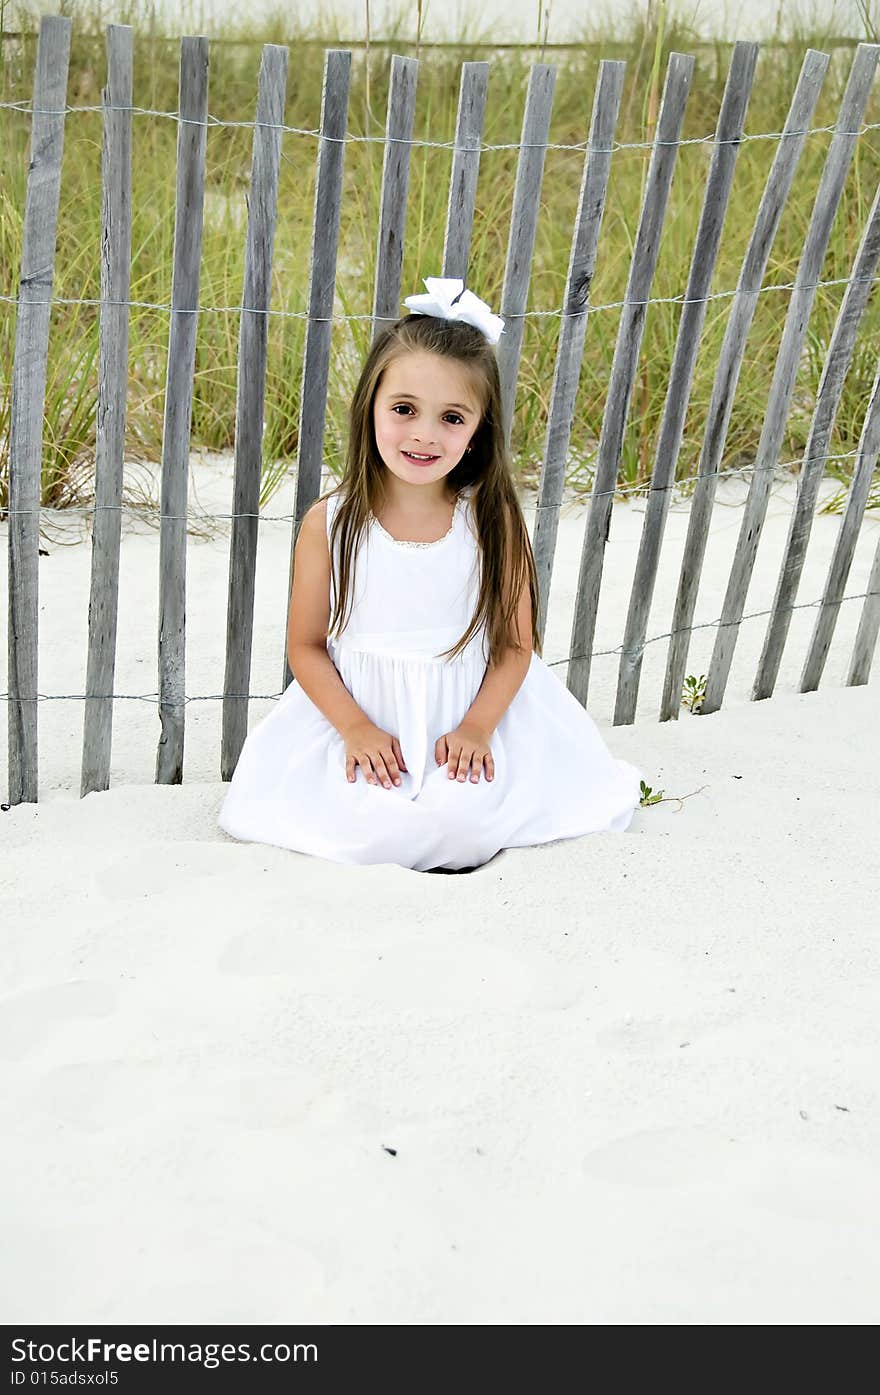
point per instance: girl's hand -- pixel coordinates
(376, 752)
(466, 746)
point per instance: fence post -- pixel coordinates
(251, 391)
(869, 625)
(845, 545)
(465, 169)
(737, 91)
(776, 191)
(581, 266)
(322, 281)
(624, 365)
(523, 226)
(840, 152)
(834, 371)
(395, 182)
(29, 397)
(191, 143)
(112, 388)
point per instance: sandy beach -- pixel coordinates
(528, 21)
(619, 1079)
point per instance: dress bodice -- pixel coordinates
(413, 599)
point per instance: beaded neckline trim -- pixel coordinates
(402, 542)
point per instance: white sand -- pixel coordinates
(525, 21)
(629, 1078)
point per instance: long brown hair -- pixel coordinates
(486, 468)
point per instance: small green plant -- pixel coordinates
(693, 692)
(649, 796)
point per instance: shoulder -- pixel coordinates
(510, 525)
(511, 522)
(312, 536)
(316, 514)
(466, 496)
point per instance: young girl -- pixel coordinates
(422, 728)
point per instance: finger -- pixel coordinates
(349, 768)
(440, 750)
(490, 766)
(382, 775)
(392, 767)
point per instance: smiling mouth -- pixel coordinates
(420, 459)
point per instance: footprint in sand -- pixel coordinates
(91, 1096)
(799, 1182)
(29, 1018)
(443, 974)
(155, 872)
(671, 1157)
(647, 1037)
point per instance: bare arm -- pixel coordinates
(499, 687)
(502, 681)
(317, 675)
(307, 622)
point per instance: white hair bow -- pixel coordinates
(448, 300)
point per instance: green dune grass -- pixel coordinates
(68, 462)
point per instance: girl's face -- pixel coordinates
(425, 412)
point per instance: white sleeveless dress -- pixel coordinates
(554, 776)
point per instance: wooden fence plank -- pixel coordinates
(32, 341)
(581, 266)
(112, 390)
(322, 281)
(776, 190)
(834, 371)
(624, 365)
(191, 145)
(840, 152)
(844, 547)
(719, 183)
(869, 627)
(249, 415)
(29, 396)
(523, 226)
(465, 169)
(395, 182)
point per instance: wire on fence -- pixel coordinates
(555, 663)
(87, 510)
(382, 139)
(561, 313)
(377, 42)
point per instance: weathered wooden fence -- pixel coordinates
(32, 338)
